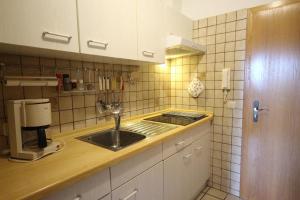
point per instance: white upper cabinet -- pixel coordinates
(43, 24)
(108, 28)
(151, 32)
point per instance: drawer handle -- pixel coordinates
(95, 44)
(148, 53)
(58, 37)
(187, 156)
(198, 148)
(130, 195)
(78, 197)
(179, 143)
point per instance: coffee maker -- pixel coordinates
(28, 120)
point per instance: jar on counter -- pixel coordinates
(67, 82)
(74, 84)
(80, 85)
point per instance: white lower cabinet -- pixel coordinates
(131, 167)
(92, 188)
(107, 197)
(146, 186)
(179, 175)
(186, 172)
(201, 163)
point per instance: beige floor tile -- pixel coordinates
(216, 193)
(208, 197)
(200, 196)
(206, 189)
(232, 197)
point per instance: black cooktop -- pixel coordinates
(177, 119)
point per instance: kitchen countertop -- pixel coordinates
(77, 160)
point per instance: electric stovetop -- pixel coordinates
(178, 118)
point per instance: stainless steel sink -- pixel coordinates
(112, 139)
(148, 128)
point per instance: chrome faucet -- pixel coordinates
(114, 108)
(117, 118)
(116, 111)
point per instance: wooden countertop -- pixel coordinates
(77, 160)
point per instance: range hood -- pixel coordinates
(177, 46)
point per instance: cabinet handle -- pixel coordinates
(59, 37)
(198, 148)
(95, 44)
(179, 143)
(148, 53)
(130, 195)
(187, 156)
(78, 197)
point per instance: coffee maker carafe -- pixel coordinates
(28, 120)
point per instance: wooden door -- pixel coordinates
(108, 28)
(43, 24)
(271, 146)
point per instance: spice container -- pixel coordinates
(66, 82)
(74, 84)
(80, 85)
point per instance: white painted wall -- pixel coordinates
(197, 9)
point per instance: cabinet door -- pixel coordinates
(108, 28)
(128, 191)
(178, 175)
(108, 197)
(135, 165)
(151, 31)
(43, 24)
(201, 165)
(150, 183)
(146, 186)
(90, 188)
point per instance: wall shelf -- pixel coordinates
(77, 91)
(29, 81)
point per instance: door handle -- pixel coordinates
(256, 110)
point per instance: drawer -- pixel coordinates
(95, 186)
(128, 191)
(199, 131)
(181, 141)
(107, 197)
(92, 188)
(146, 186)
(135, 165)
(176, 144)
